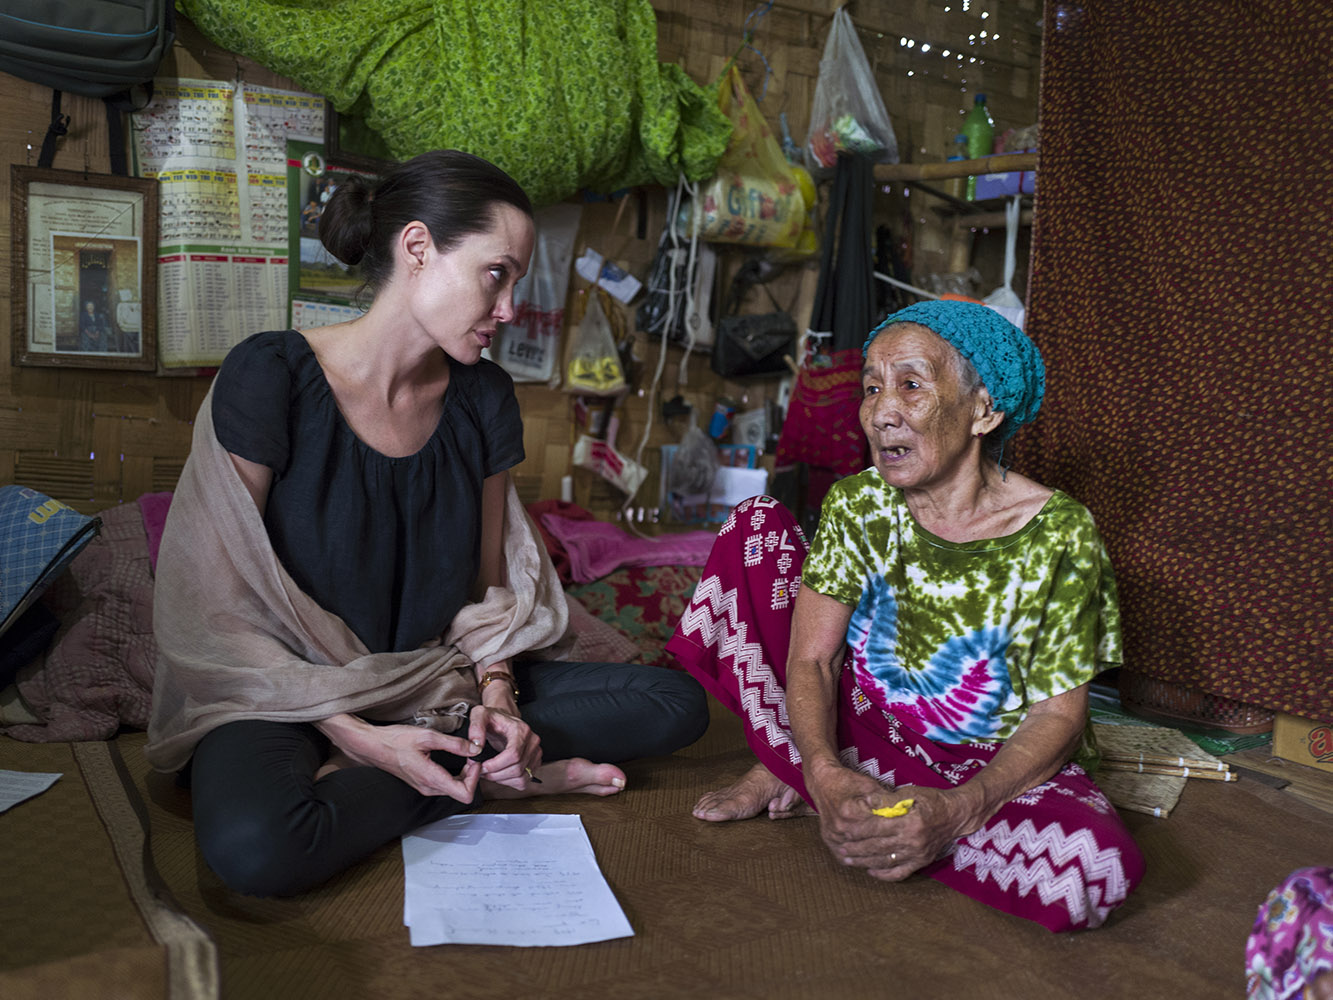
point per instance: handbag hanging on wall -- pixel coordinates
(755, 344)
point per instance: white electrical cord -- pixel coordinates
(673, 208)
(691, 276)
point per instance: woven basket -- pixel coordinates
(1164, 700)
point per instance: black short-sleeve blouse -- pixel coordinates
(391, 545)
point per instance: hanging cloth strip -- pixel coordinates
(1004, 299)
(845, 296)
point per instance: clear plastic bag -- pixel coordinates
(695, 465)
(847, 114)
(592, 363)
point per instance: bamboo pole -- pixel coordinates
(1166, 760)
(1180, 772)
(990, 220)
(999, 164)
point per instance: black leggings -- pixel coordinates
(267, 828)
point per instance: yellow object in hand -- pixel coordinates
(897, 809)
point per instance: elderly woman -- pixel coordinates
(934, 645)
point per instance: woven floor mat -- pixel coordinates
(85, 913)
(751, 909)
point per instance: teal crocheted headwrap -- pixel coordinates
(1007, 361)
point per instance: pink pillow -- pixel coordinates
(153, 507)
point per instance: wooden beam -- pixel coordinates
(990, 220)
(1001, 164)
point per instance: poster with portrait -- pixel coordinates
(84, 271)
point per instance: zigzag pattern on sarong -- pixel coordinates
(1027, 858)
(712, 615)
(851, 757)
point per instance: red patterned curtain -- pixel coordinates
(1182, 295)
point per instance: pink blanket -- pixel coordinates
(596, 548)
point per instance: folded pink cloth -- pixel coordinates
(153, 507)
(596, 548)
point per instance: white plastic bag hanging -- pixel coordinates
(529, 347)
(847, 114)
(1004, 300)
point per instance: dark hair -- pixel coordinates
(452, 192)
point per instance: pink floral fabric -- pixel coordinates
(1291, 944)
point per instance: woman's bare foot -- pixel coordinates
(575, 776)
(758, 790)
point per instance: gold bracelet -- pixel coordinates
(497, 675)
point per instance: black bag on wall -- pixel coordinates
(98, 48)
(93, 47)
(754, 344)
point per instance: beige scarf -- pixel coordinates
(237, 639)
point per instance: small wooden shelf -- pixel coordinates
(1001, 163)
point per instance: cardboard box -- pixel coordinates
(1303, 740)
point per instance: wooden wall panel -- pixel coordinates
(93, 439)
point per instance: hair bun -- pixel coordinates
(347, 222)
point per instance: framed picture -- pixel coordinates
(84, 287)
(350, 143)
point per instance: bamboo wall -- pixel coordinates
(94, 439)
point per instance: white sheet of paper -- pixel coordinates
(15, 786)
(731, 486)
(524, 880)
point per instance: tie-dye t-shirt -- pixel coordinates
(958, 639)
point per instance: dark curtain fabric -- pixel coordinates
(845, 296)
(1182, 294)
(821, 439)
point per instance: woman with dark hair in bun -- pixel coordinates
(347, 578)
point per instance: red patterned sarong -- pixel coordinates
(1057, 854)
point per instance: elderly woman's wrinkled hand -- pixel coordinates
(926, 833)
(889, 848)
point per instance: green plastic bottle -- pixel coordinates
(980, 132)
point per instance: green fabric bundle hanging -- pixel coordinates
(563, 96)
